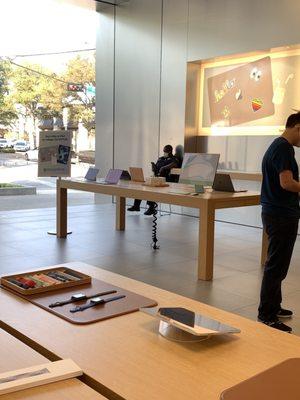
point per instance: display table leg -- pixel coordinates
(264, 248)
(61, 212)
(120, 213)
(206, 242)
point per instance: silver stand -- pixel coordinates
(178, 335)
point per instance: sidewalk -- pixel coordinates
(25, 173)
(43, 199)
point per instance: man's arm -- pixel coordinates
(168, 167)
(287, 182)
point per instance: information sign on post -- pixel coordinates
(55, 153)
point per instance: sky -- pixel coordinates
(41, 26)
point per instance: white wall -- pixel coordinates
(104, 148)
(173, 72)
(220, 27)
(141, 69)
(141, 73)
(137, 83)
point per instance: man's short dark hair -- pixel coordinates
(168, 148)
(293, 120)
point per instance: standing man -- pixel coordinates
(280, 217)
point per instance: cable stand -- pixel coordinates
(154, 244)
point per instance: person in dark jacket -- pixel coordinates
(162, 167)
(179, 158)
(280, 217)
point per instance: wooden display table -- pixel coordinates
(126, 358)
(16, 355)
(206, 203)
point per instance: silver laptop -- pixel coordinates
(90, 176)
(223, 183)
(112, 178)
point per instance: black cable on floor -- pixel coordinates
(154, 245)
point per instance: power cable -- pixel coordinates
(47, 54)
(33, 70)
(54, 53)
(36, 72)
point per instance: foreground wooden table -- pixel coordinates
(126, 358)
(206, 204)
(16, 355)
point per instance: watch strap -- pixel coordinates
(94, 304)
(73, 300)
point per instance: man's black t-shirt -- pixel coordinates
(275, 200)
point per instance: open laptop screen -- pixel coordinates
(91, 174)
(113, 176)
(199, 168)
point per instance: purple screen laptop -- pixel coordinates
(113, 176)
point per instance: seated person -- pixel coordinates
(162, 167)
(179, 156)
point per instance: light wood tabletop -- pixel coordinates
(126, 358)
(16, 355)
(206, 203)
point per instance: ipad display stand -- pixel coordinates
(171, 332)
(175, 334)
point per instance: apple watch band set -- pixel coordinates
(95, 300)
(79, 297)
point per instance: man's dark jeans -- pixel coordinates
(282, 233)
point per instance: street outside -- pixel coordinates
(20, 171)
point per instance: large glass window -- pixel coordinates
(47, 82)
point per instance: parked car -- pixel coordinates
(4, 143)
(21, 145)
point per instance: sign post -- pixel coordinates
(54, 159)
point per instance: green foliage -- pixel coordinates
(81, 70)
(36, 92)
(81, 105)
(9, 185)
(7, 112)
(42, 97)
(4, 77)
(5, 150)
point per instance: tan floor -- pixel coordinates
(25, 244)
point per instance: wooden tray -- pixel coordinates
(85, 279)
(132, 302)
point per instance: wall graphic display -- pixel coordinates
(250, 94)
(55, 153)
(198, 168)
(242, 94)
